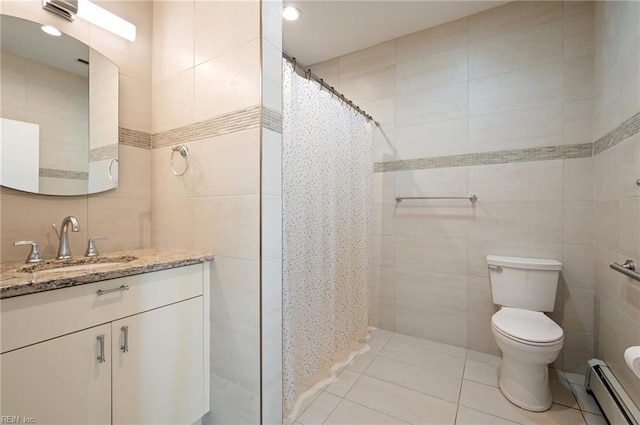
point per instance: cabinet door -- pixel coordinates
(60, 381)
(158, 377)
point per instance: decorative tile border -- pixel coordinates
(546, 153)
(103, 152)
(621, 133)
(134, 138)
(234, 122)
(272, 120)
(64, 174)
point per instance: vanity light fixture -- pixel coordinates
(92, 13)
(291, 13)
(51, 30)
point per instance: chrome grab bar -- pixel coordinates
(108, 291)
(472, 198)
(628, 269)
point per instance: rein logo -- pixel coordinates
(6, 419)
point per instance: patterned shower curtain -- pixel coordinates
(327, 195)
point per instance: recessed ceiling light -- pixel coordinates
(290, 13)
(51, 30)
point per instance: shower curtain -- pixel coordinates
(327, 195)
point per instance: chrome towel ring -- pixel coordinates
(184, 152)
(113, 161)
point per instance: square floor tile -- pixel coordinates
(402, 403)
(375, 344)
(361, 362)
(343, 383)
(348, 413)
(428, 359)
(561, 393)
(468, 416)
(319, 410)
(484, 373)
(415, 378)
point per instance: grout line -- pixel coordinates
(333, 410)
(377, 411)
(492, 415)
(464, 368)
(422, 367)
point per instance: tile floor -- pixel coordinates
(407, 380)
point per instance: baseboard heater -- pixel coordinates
(614, 401)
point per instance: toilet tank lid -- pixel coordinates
(524, 263)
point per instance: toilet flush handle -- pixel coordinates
(495, 269)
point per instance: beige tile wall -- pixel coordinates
(271, 193)
(123, 214)
(617, 198)
(514, 77)
(210, 59)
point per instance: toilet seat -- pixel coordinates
(526, 326)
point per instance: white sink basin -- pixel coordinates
(80, 267)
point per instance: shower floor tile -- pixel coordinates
(399, 379)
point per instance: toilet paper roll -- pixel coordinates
(632, 357)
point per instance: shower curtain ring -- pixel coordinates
(308, 74)
(332, 92)
(294, 63)
(321, 84)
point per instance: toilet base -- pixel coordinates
(526, 385)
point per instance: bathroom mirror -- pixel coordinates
(59, 112)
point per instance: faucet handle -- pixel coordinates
(55, 229)
(91, 247)
(34, 254)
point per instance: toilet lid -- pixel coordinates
(526, 325)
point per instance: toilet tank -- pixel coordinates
(527, 283)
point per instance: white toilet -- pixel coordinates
(529, 340)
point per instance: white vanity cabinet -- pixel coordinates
(60, 381)
(159, 360)
(132, 356)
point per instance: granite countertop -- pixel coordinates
(18, 278)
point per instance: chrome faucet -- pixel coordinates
(63, 250)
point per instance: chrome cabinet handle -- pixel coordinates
(495, 269)
(108, 291)
(125, 335)
(101, 355)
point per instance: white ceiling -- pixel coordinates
(328, 29)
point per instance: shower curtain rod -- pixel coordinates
(310, 75)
